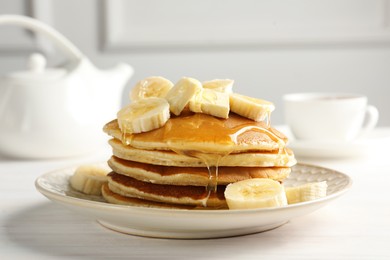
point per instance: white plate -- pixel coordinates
(176, 223)
(371, 143)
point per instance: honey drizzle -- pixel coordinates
(212, 163)
(126, 138)
(280, 142)
(268, 118)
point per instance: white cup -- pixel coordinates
(329, 116)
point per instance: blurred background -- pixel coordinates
(269, 48)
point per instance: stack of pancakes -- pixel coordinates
(188, 162)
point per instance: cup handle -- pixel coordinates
(372, 116)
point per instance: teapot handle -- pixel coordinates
(37, 26)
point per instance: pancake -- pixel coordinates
(195, 176)
(172, 194)
(170, 158)
(188, 162)
(115, 198)
(204, 133)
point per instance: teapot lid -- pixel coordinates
(37, 71)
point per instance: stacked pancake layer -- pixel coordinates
(188, 162)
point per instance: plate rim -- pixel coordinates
(81, 202)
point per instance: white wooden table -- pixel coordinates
(355, 226)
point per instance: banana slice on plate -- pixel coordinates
(211, 102)
(306, 192)
(255, 193)
(143, 115)
(220, 85)
(150, 87)
(252, 108)
(89, 179)
(181, 93)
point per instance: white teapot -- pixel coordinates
(57, 112)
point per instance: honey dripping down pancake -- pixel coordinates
(193, 176)
(170, 158)
(209, 132)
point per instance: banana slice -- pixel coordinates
(150, 87)
(306, 192)
(211, 102)
(220, 85)
(195, 103)
(181, 93)
(252, 108)
(143, 115)
(89, 179)
(255, 193)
